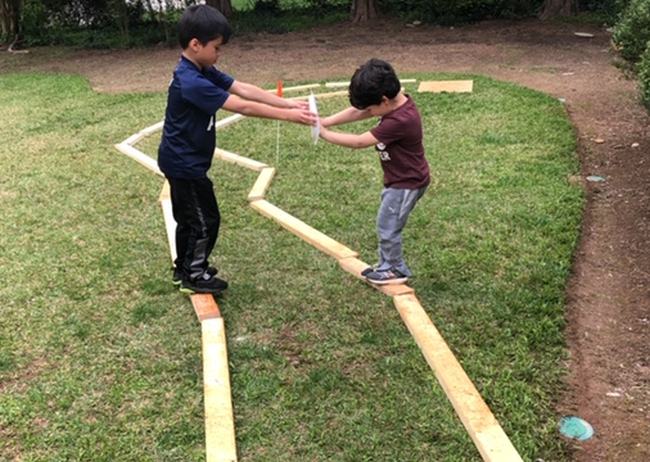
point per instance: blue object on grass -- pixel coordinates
(576, 428)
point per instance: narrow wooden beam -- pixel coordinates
(261, 184)
(337, 84)
(322, 95)
(347, 83)
(153, 128)
(354, 266)
(133, 139)
(140, 157)
(450, 86)
(168, 218)
(298, 87)
(488, 436)
(220, 445)
(205, 306)
(228, 121)
(330, 94)
(314, 237)
(239, 160)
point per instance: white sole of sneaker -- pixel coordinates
(388, 281)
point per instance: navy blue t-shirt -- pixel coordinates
(188, 138)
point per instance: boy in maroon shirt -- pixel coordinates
(375, 91)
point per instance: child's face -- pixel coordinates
(380, 109)
(208, 54)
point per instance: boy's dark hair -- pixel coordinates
(372, 81)
(203, 23)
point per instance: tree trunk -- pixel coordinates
(363, 10)
(554, 8)
(222, 5)
(10, 21)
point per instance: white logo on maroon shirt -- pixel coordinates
(383, 154)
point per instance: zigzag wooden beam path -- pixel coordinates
(354, 266)
(220, 443)
(449, 86)
(483, 428)
(139, 156)
(168, 218)
(239, 160)
(486, 433)
(319, 240)
(261, 184)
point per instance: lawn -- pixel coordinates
(100, 356)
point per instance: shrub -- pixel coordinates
(632, 32)
(644, 76)
(449, 12)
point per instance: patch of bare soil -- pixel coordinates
(608, 298)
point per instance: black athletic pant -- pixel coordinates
(197, 218)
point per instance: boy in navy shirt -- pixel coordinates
(196, 92)
(375, 91)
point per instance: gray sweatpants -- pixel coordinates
(396, 205)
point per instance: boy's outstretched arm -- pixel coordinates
(254, 93)
(350, 140)
(260, 109)
(348, 115)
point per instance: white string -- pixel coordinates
(277, 144)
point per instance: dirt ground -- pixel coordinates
(608, 298)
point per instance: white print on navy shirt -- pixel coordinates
(210, 124)
(383, 154)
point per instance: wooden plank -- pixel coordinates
(168, 218)
(449, 86)
(337, 84)
(347, 83)
(239, 160)
(135, 138)
(322, 95)
(354, 266)
(227, 121)
(153, 128)
(331, 94)
(488, 436)
(393, 290)
(164, 192)
(205, 306)
(261, 184)
(314, 237)
(220, 444)
(170, 227)
(298, 87)
(140, 157)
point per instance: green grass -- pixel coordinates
(100, 356)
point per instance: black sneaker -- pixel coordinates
(177, 277)
(386, 277)
(205, 284)
(367, 271)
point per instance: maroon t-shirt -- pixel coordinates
(400, 148)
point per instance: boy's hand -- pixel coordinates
(297, 104)
(302, 116)
(324, 132)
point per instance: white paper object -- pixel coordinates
(313, 107)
